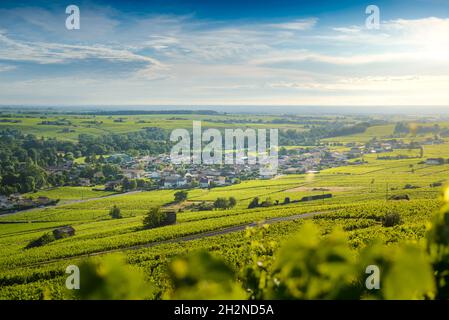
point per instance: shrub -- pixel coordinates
(400, 197)
(254, 203)
(205, 206)
(181, 196)
(436, 184)
(267, 203)
(115, 213)
(391, 219)
(223, 203)
(42, 240)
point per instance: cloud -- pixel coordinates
(57, 53)
(347, 60)
(430, 31)
(405, 84)
(301, 24)
(4, 68)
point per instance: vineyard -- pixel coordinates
(360, 223)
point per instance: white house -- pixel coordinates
(133, 173)
(175, 181)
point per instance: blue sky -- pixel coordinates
(208, 52)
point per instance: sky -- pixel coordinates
(210, 52)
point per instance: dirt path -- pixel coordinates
(191, 237)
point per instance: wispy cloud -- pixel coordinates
(347, 60)
(57, 53)
(4, 68)
(301, 24)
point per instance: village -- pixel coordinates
(158, 172)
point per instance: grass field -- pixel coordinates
(71, 193)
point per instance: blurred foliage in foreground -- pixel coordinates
(307, 266)
(111, 279)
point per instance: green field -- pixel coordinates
(106, 124)
(71, 193)
(359, 202)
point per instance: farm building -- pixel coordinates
(63, 232)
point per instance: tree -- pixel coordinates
(101, 159)
(115, 212)
(69, 156)
(181, 196)
(221, 203)
(254, 203)
(232, 202)
(125, 184)
(286, 200)
(154, 218)
(132, 185)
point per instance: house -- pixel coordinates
(63, 232)
(435, 161)
(84, 182)
(220, 181)
(292, 170)
(98, 174)
(43, 200)
(25, 202)
(211, 172)
(267, 176)
(111, 185)
(133, 173)
(204, 182)
(174, 181)
(154, 175)
(355, 151)
(15, 197)
(5, 203)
